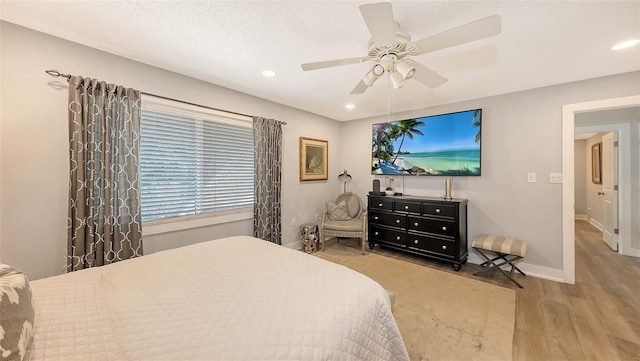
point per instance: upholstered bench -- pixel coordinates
(508, 250)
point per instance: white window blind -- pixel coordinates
(194, 160)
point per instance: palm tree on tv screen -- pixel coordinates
(382, 143)
(406, 128)
(477, 120)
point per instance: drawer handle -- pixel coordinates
(444, 247)
(416, 224)
(416, 241)
(379, 204)
(406, 207)
(444, 228)
(376, 218)
(398, 238)
(376, 233)
(437, 210)
(397, 221)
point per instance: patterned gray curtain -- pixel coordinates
(104, 224)
(267, 138)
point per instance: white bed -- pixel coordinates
(236, 298)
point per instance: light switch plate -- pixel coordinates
(555, 177)
(531, 177)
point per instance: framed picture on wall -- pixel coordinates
(314, 159)
(596, 163)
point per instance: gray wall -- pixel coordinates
(521, 134)
(34, 146)
(580, 165)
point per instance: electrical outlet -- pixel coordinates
(293, 221)
(531, 177)
(317, 218)
(555, 177)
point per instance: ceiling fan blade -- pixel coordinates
(476, 30)
(427, 76)
(379, 20)
(331, 63)
(360, 88)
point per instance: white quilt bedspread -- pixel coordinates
(236, 298)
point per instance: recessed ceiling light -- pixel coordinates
(349, 106)
(626, 44)
(269, 73)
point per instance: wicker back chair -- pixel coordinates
(353, 227)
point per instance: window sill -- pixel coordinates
(166, 226)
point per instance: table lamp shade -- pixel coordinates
(345, 178)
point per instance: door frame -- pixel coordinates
(568, 186)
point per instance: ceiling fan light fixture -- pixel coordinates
(378, 69)
(406, 70)
(397, 79)
(373, 75)
(390, 48)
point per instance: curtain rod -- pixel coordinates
(56, 74)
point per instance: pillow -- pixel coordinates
(16, 314)
(353, 206)
(338, 212)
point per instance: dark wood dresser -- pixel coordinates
(431, 227)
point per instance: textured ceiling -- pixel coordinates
(229, 44)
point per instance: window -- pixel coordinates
(194, 161)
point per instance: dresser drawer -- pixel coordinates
(388, 219)
(378, 234)
(430, 225)
(439, 210)
(433, 245)
(381, 203)
(409, 207)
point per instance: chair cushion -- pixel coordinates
(18, 313)
(338, 212)
(501, 244)
(352, 225)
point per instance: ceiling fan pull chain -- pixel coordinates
(389, 97)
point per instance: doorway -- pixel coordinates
(596, 182)
(569, 114)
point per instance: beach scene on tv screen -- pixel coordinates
(447, 144)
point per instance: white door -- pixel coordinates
(610, 189)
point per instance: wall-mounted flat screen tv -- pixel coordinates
(437, 145)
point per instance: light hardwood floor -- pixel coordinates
(598, 318)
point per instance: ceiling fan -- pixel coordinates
(390, 48)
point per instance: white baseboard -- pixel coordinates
(596, 224)
(474, 258)
(582, 217)
(546, 273)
